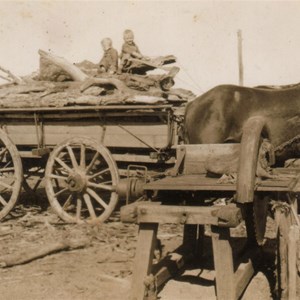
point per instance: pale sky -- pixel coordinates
(202, 35)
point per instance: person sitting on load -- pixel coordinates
(130, 50)
(109, 61)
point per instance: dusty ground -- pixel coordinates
(100, 270)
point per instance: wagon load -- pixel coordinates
(60, 83)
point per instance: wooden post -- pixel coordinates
(283, 220)
(143, 258)
(223, 260)
(292, 261)
(240, 58)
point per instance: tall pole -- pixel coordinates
(240, 57)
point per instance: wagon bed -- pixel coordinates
(74, 150)
(102, 122)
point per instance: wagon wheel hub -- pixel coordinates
(77, 182)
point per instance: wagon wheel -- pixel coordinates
(80, 180)
(11, 175)
(254, 205)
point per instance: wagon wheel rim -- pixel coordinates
(80, 179)
(11, 175)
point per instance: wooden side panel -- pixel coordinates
(156, 135)
(197, 155)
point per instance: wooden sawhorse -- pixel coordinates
(231, 281)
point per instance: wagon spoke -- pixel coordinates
(89, 205)
(78, 209)
(101, 186)
(3, 201)
(7, 164)
(67, 203)
(106, 182)
(89, 167)
(54, 176)
(97, 198)
(7, 169)
(99, 173)
(37, 184)
(6, 185)
(82, 156)
(3, 151)
(60, 192)
(63, 164)
(72, 156)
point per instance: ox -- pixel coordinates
(218, 115)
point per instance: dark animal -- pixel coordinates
(218, 115)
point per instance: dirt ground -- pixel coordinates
(102, 268)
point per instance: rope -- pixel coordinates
(187, 73)
(188, 83)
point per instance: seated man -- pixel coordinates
(109, 61)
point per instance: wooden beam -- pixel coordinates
(176, 214)
(169, 267)
(283, 221)
(223, 260)
(143, 259)
(246, 270)
(294, 235)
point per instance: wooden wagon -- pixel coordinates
(80, 152)
(186, 196)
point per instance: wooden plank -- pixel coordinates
(189, 182)
(177, 214)
(243, 276)
(202, 183)
(245, 270)
(86, 108)
(168, 267)
(143, 259)
(82, 115)
(293, 238)
(223, 261)
(111, 135)
(284, 222)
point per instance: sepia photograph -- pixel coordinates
(149, 150)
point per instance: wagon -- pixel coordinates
(81, 152)
(188, 196)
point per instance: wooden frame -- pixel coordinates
(230, 282)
